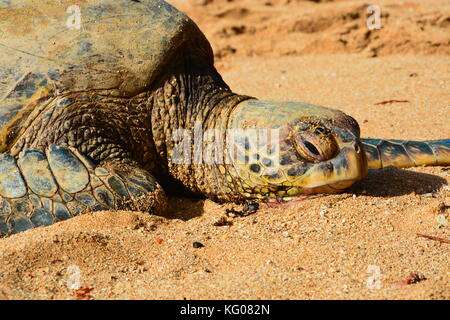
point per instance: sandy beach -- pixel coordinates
(366, 243)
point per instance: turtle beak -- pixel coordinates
(338, 173)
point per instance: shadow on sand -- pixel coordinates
(184, 208)
(391, 182)
(387, 182)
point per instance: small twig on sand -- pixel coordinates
(441, 240)
(391, 101)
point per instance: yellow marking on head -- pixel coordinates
(293, 191)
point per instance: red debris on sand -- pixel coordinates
(159, 240)
(83, 293)
(412, 278)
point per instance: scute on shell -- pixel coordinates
(121, 47)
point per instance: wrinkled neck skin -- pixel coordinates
(189, 102)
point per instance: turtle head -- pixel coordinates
(284, 150)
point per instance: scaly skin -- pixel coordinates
(127, 109)
(404, 154)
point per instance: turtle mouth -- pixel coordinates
(307, 193)
(331, 176)
(336, 174)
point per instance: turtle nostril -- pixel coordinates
(319, 130)
(311, 148)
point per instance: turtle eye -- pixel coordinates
(318, 145)
(311, 148)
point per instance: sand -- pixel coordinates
(361, 244)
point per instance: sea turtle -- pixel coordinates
(105, 104)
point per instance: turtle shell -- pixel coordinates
(120, 46)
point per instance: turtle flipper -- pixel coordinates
(40, 188)
(403, 154)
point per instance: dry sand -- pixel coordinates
(319, 52)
